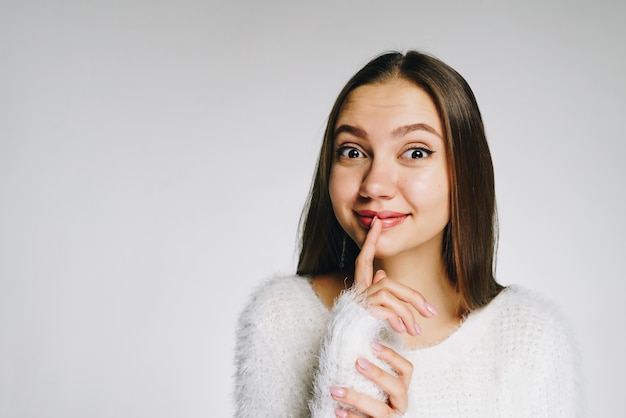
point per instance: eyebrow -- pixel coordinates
(396, 133)
(404, 130)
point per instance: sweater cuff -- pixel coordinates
(351, 331)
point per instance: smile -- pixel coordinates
(388, 219)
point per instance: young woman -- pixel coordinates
(395, 310)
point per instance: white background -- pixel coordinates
(155, 158)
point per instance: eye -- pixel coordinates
(417, 153)
(349, 152)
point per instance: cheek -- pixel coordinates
(427, 191)
(343, 188)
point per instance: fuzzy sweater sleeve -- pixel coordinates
(349, 335)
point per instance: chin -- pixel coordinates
(384, 253)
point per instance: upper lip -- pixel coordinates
(382, 214)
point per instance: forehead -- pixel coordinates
(396, 101)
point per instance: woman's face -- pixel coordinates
(390, 162)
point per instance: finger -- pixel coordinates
(378, 276)
(364, 263)
(404, 294)
(344, 413)
(398, 314)
(395, 387)
(400, 323)
(402, 366)
(362, 403)
(384, 304)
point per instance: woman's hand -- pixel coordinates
(386, 298)
(389, 300)
(396, 387)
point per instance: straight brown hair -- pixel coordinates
(470, 237)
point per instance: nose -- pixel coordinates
(380, 181)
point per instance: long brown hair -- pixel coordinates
(470, 237)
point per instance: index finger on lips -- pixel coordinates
(364, 263)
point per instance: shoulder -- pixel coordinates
(525, 315)
(537, 338)
(526, 306)
(281, 289)
(281, 300)
(281, 316)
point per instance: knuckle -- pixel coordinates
(385, 294)
(409, 368)
(417, 296)
(352, 398)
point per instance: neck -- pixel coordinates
(427, 275)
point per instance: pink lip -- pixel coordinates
(388, 218)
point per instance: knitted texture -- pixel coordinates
(513, 358)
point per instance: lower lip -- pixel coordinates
(387, 223)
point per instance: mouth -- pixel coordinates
(388, 219)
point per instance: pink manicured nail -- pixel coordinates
(337, 391)
(417, 327)
(377, 347)
(430, 308)
(373, 220)
(402, 326)
(364, 364)
(340, 413)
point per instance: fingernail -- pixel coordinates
(402, 326)
(430, 308)
(417, 328)
(373, 220)
(364, 364)
(337, 391)
(340, 413)
(377, 347)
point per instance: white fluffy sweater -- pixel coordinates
(512, 358)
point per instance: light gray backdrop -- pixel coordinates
(155, 157)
